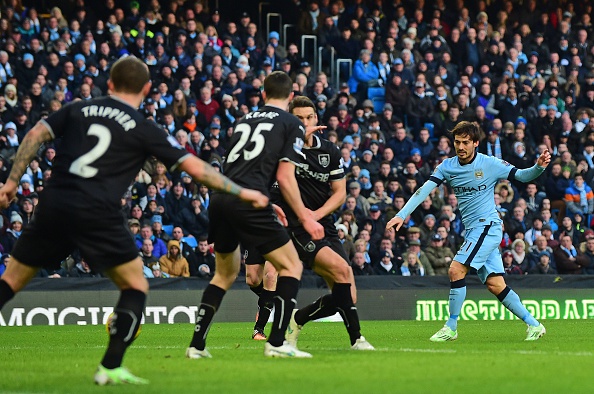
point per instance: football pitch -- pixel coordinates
(488, 357)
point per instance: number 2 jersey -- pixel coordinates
(321, 166)
(105, 142)
(260, 140)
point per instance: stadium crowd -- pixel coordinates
(524, 73)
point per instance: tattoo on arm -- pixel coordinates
(27, 151)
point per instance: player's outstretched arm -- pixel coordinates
(534, 172)
(417, 198)
(285, 175)
(335, 201)
(27, 151)
(206, 174)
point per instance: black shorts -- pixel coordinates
(103, 237)
(253, 257)
(308, 248)
(233, 221)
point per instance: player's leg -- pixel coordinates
(457, 274)
(16, 276)
(266, 300)
(338, 274)
(510, 299)
(227, 268)
(129, 278)
(286, 262)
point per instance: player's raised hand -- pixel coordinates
(396, 222)
(257, 199)
(312, 129)
(315, 229)
(544, 159)
(280, 214)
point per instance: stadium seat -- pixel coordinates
(378, 104)
(190, 241)
(168, 229)
(376, 92)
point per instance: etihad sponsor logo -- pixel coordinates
(467, 189)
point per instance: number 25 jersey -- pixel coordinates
(260, 140)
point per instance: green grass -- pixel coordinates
(488, 357)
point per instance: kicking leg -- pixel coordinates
(457, 274)
(227, 268)
(511, 300)
(129, 278)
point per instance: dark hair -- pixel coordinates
(470, 129)
(578, 174)
(278, 85)
(129, 75)
(203, 238)
(301, 102)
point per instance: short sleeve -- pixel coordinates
(438, 175)
(57, 121)
(293, 144)
(501, 169)
(336, 167)
(163, 146)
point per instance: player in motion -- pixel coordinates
(322, 175)
(266, 143)
(473, 176)
(105, 142)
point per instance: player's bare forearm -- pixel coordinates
(335, 201)
(206, 174)
(27, 151)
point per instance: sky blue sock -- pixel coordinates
(457, 297)
(511, 301)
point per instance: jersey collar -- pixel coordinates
(317, 143)
(470, 162)
(113, 96)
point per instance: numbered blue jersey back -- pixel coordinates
(261, 139)
(101, 145)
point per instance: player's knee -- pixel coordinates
(252, 280)
(456, 273)
(341, 272)
(495, 288)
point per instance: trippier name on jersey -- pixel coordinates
(111, 113)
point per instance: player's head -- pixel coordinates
(278, 85)
(466, 139)
(304, 109)
(130, 75)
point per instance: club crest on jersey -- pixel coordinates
(324, 160)
(479, 174)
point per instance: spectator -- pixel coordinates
(569, 259)
(510, 265)
(412, 266)
(146, 233)
(360, 267)
(579, 197)
(146, 254)
(543, 267)
(173, 263)
(414, 247)
(385, 266)
(439, 256)
(518, 252)
(419, 108)
(346, 240)
(589, 254)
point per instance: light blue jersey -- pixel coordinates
(474, 186)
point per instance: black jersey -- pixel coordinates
(105, 142)
(322, 165)
(261, 139)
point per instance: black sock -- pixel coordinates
(265, 305)
(127, 316)
(258, 289)
(284, 303)
(211, 300)
(347, 309)
(322, 307)
(6, 293)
